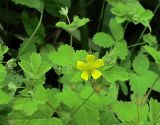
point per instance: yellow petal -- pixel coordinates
(81, 65)
(85, 75)
(98, 63)
(90, 58)
(96, 74)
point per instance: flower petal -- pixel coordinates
(85, 75)
(81, 65)
(90, 58)
(98, 63)
(96, 74)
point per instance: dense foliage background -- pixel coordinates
(42, 43)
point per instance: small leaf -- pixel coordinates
(121, 49)
(3, 73)
(77, 22)
(116, 29)
(150, 39)
(35, 61)
(103, 40)
(153, 52)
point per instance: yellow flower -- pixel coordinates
(89, 67)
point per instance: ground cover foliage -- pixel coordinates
(81, 62)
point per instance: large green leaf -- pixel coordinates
(115, 73)
(140, 64)
(66, 56)
(30, 104)
(36, 121)
(141, 83)
(132, 11)
(87, 115)
(129, 111)
(36, 4)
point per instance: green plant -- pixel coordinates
(90, 80)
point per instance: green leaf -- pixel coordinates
(30, 104)
(35, 67)
(62, 57)
(129, 111)
(4, 97)
(88, 114)
(69, 98)
(103, 40)
(115, 73)
(150, 39)
(35, 61)
(131, 11)
(122, 109)
(107, 117)
(141, 83)
(153, 52)
(121, 49)
(3, 73)
(124, 88)
(77, 22)
(3, 50)
(140, 64)
(36, 121)
(36, 4)
(53, 6)
(116, 29)
(154, 110)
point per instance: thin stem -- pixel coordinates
(69, 22)
(33, 34)
(150, 90)
(125, 27)
(84, 33)
(82, 103)
(71, 38)
(146, 27)
(137, 44)
(101, 16)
